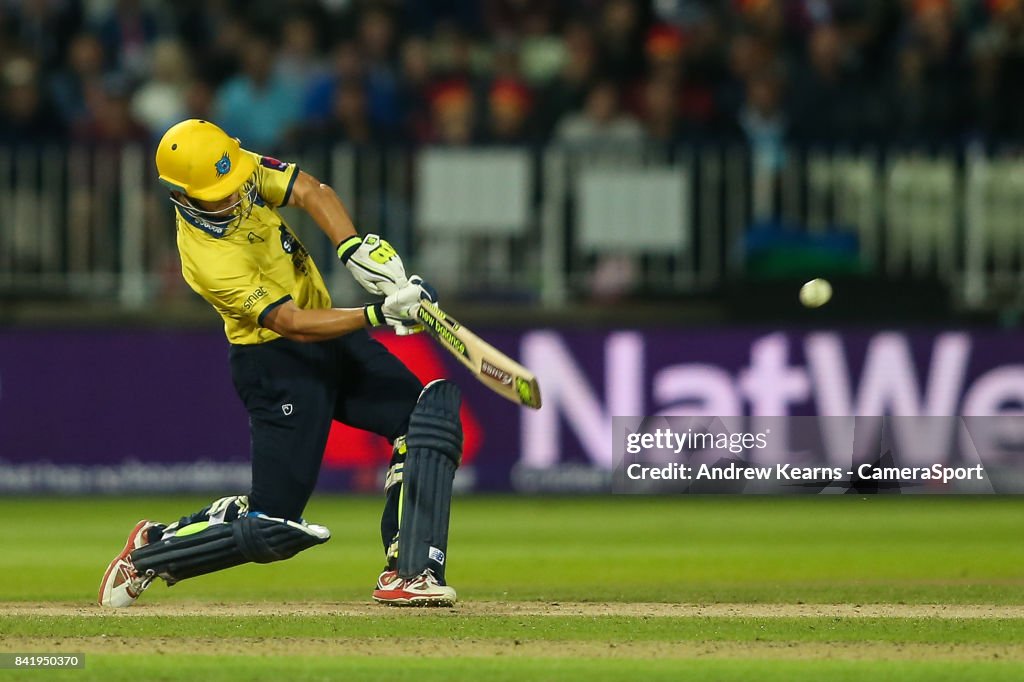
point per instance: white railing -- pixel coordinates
(550, 225)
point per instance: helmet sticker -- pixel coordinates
(223, 166)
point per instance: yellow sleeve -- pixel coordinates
(246, 294)
(274, 179)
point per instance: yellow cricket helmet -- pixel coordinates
(197, 160)
(201, 161)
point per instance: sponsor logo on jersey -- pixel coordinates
(251, 299)
(254, 238)
(288, 240)
(295, 249)
(213, 228)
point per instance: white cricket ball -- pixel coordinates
(815, 293)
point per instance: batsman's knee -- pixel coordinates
(434, 424)
(262, 539)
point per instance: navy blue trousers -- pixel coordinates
(293, 391)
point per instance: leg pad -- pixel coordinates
(435, 424)
(434, 453)
(254, 538)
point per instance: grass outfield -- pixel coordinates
(837, 587)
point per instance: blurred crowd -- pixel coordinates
(285, 73)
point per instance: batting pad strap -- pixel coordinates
(392, 552)
(259, 539)
(435, 424)
(394, 476)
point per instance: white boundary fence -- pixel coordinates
(545, 225)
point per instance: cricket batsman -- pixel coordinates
(298, 363)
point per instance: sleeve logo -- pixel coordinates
(272, 163)
(295, 249)
(288, 240)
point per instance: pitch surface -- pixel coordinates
(566, 589)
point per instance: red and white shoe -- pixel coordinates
(387, 580)
(121, 584)
(423, 590)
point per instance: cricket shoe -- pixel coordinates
(121, 584)
(422, 590)
(387, 580)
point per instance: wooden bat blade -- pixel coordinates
(490, 366)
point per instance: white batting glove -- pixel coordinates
(373, 263)
(399, 310)
(427, 293)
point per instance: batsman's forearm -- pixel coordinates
(307, 326)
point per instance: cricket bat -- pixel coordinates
(494, 369)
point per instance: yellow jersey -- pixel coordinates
(255, 267)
